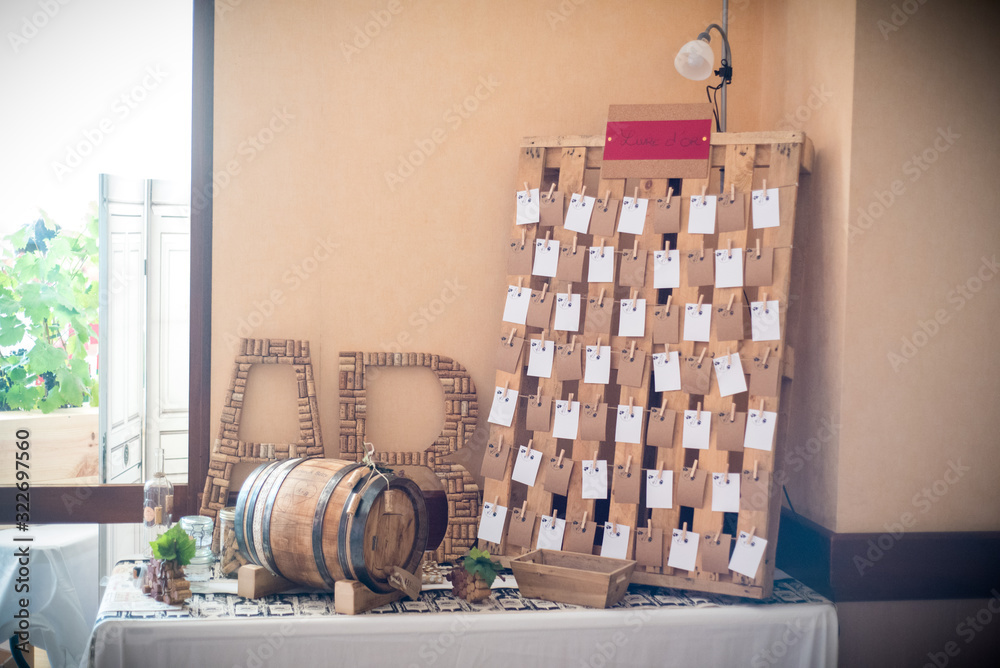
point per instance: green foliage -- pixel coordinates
(48, 300)
(174, 543)
(478, 562)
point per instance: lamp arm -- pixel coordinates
(726, 52)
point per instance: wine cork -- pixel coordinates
(158, 514)
(170, 505)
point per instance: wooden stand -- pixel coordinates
(257, 581)
(350, 597)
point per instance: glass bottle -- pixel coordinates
(157, 504)
(199, 528)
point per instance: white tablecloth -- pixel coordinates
(63, 588)
(285, 631)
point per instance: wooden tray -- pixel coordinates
(568, 577)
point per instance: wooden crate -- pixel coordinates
(745, 161)
(568, 577)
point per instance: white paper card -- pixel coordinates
(696, 430)
(527, 208)
(632, 318)
(659, 489)
(633, 215)
(526, 465)
(628, 425)
(615, 543)
(697, 322)
(683, 550)
(747, 555)
(566, 423)
(597, 368)
(502, 410)
(546, 258)
(729, 373)
(667, 269)
(541, 357)
(701, 214)
(765, 324)
(728, 268)
(550, 534)
(595, 479)
(726, 492)
(579, 212)
(764, 206)
(516, 308)
(602, 264)
(667, 371)
(491, 523)
(567, 312)
(760, 430)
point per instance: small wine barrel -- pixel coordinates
(316, 521)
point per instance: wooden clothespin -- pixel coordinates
(698, 411)
(670, 298)
(732, 412)
(701, 256)
(732, 298)
(702, 356)
(694, 467)
(631, 406)
(545, 287)
(730, 251)
(500, 445)
(600, 300)
(663, 405)
(569, 289)
(598, 345)
(528, 190)
(506, 388)
(523, 238)
(750, 534)
(520, 285)
(559, 460)
(758, 248)
(767, 351)
(635, 248)
(551, 190)
(659, 469)
(761, 409)
(635, 198)
(524, 508)
(572, 344)
(586, 514)
(570, 401)
(548, 234)
(510, 339)
(701, 299)
(584, 192)
(666, 245)
(631, 352)
(729, 353)
(704, 189)
(718, 535)
(628, 463)
(595, 458)
(496, 502)
(539, 395)
(756, 464)
(763, 299)
(530, 442)
(614, 527)
(766, 196)
(732, 193)
(600, 244)
(684, 534)
(607, 198)
(575, 236)
(555, 516)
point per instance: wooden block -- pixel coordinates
(351, 597)
(257, 581)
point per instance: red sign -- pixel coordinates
(658, 140)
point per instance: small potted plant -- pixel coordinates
(473, 578)
(164, 579)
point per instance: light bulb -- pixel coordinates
(695, 60)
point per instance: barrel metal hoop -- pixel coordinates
(357, 534)
(317, 531)
(346, 520)
(279, 480)
(244, 510)
(258, 512)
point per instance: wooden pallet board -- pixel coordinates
(744, 161)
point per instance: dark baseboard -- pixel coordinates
(886, 566)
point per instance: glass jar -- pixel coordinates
(157, 504)
(230, 558)
(200, 529)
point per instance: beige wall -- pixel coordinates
(314, 241)
(415, 263)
